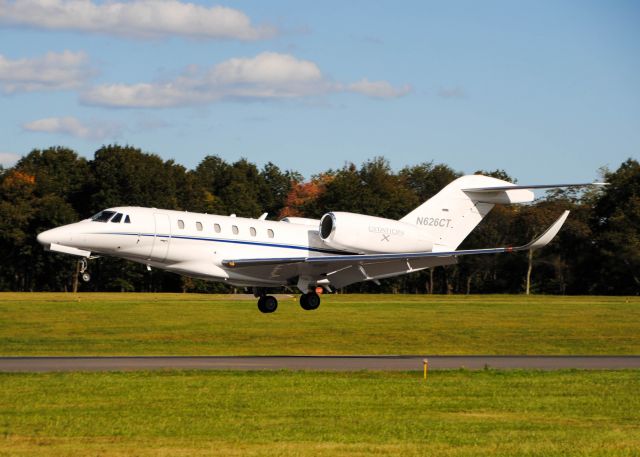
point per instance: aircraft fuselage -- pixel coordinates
(188, 243)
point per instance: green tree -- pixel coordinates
(126, 176)
(41, 191)
(234, 188)
(276, 186)
(373, 189)
(427, 179)
(616, 223)
(59, 171)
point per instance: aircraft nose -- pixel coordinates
(47, 237)
(55, 235)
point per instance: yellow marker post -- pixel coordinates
(425, 366)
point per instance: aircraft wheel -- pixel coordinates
(86, 277)
(267, 304)
(310, 301)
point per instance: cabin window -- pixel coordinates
(199, 226)
(270, 233)
(252, 230)
(127, 220)
(217, 228)
(180, 224)
(117, 218)
(234, 229)
(103, 216)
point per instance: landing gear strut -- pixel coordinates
(266, 303)
(310, 301)
(84, 264)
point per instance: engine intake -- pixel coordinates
(327, 224)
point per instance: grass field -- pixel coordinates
(454, 413)
(189, 324)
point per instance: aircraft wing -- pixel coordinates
(359, 267)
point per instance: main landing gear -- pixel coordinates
(310, 301)
(269, 303)
(266, 303)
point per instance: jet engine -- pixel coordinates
(367, 234)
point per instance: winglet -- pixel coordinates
(547, 236)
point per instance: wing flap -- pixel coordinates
(237, 263)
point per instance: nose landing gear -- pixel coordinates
(83, 266)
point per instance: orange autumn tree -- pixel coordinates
(302, 198)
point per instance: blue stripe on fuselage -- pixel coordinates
(223, 240)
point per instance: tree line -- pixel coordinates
(597, 251)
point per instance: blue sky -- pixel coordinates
(547, 90)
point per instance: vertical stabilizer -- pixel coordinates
(450, 215)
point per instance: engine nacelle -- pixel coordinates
(368, 234)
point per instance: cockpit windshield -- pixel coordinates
(103, 216)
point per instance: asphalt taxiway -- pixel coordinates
(317, 363)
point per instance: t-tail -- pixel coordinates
(450, 215)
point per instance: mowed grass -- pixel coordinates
(190, 324)
(190, 413)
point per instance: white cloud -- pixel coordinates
(136, 18)
(266, 76)
(379, 89)
(9, 159)
(452, 92)
(266, 68)
(53, 71)
(74, 127)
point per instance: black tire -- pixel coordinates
(304, 302)
(310, 301)
(267, 304)
(261, 305)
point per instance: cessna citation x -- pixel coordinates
(337, 250)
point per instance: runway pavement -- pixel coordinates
(317, 363)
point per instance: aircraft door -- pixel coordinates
(162, 237)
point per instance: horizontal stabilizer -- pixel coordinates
(534, 186)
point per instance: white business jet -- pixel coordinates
(332, 252)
